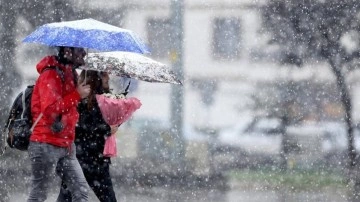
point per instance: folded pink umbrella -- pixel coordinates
(115, 111)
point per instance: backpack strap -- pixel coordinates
(36, 121)
(61, 73)
(23, 103)
(58, 70)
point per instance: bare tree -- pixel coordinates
(313, 30)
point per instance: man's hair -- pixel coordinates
(61, 54)
(61, 50)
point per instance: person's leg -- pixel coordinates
(102, 185)
(72, 175)
(65, 194)
(43, 160)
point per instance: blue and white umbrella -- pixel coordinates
(87, 33)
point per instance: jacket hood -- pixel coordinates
(48, 61)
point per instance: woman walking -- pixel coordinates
(90, 134)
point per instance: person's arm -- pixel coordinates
(101, 127)
(52, 102)
(91, 122)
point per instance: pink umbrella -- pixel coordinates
(115, 111)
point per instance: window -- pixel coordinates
(159, 37)
(226, 38)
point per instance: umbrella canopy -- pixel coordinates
(131, 65)
(87, 33)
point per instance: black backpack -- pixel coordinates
(19, 125)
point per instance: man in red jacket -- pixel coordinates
(53, 108)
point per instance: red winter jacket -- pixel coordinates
(53, 97)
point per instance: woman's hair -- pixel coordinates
(94, 79)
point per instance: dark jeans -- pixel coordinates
(98, 178)
(45, 160)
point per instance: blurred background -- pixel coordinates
(267, 109)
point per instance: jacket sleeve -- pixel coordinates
(101, 127)
(91, 122)
(50, 89)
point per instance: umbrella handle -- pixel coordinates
(127, 89)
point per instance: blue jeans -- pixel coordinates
(47, 159)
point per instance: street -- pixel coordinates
(238, 192)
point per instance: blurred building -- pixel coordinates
(225, 56)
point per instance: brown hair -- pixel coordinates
(94, 79)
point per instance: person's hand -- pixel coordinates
(83, 89)
(114, 129)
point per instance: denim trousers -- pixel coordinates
(98, 177)
(47, 159)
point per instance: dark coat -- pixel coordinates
(91, 131)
